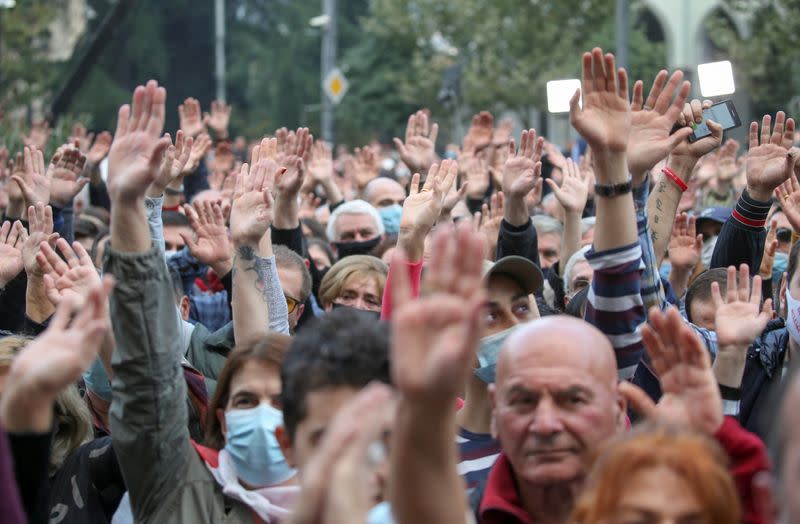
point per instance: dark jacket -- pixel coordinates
(762, 377)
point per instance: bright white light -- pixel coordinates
(319, 21)
(559, 93)
(716, 78)
(8, 4)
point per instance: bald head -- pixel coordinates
(383, 192)
(559, 340)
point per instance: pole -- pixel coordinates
(622, 33)
(327, 63)
(219, 48)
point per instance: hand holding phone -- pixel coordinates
(723, 113)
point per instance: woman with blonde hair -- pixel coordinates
(355, 282)
(659, 475)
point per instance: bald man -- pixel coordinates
(387, 197)
(555, 401)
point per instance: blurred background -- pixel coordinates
(69, 60)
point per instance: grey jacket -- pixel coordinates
(167, 480)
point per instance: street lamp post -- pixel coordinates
(327, 63)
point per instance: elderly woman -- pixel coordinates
(354, 282)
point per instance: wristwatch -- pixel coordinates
(613, 190)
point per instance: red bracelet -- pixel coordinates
(678, 182)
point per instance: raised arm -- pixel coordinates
(251, 215)
(770, 162)
(418, 152)
(433, 343)
(148, 385)
(614, 304)
(572, 196)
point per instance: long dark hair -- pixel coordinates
(268, 350)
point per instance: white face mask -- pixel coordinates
(793, 317)
(708, 251)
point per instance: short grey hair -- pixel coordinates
(546, 225)
(354, 207)
(578, 256)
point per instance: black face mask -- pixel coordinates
(365, 247)
(316, 276)
(369, 315)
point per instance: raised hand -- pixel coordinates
(476, 175)
(685, 245)
(740, 316)
(223, 157)
(691, 152)
(55, 360)
(727, 168)
(488, 222)
(210, 245)
(321, 163)
(434, 338)
(418, 152)
(70, 278)
(81, 138)
(253, 203)
(190, 116)
(40, 229)
(12, 237)
(99, 149)
(33, 181)
(691, 394)
(293, 157)
(65, 177)
(138, 148)
(364, 166)
(523, 166)
(217, 121)
(171, 170)
(422, 206)
(38, 136)
(770, 162)
(199, 150)
(605, 119)
(770, 246)
(554, 155)
(574, 188)
(788, 194)
(652, 121)
(479, 134)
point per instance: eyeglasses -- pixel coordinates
(291, 304)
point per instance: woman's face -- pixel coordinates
(360, 291)
(253, 384)
(657, 496)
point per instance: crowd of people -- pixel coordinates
(212, 329)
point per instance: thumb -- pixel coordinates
(553, 186)
(157, 155)
(637, 400)
(680, 135)
(189, 241)
(24, 187)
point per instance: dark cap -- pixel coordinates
(524, 272)
(714, 214)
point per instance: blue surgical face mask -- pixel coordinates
(390, 215)
(708, 251)
(779, 266)
(488, 350)
(251, 443)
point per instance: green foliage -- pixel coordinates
(25, 73)
(765, 63)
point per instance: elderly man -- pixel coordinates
(355, 228)
(387, 196)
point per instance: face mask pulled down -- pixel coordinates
(488, 351)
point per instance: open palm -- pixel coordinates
(521, 170)
(70, 278)
(211, 245)
(253, 204)
(740, 318)
(422, 207)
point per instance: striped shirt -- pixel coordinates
(477, 453)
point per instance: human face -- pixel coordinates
(292, 284)
(657, 496)
(549, 249)
(552, 409)
(580, 276)
(387, 194)
(321, 407)
(172, 237)
(359, 292)
(508, 305)
(703, 314)
(318, 257)
(709, 229)
(255, 383)
(355, 228)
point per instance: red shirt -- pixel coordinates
(500, 503)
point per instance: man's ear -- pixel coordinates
(185, 307)
(307, 262)
(300, 309)
(286, 445)
(622, 415)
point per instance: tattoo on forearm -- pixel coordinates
(247, 253)
(659, 204)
